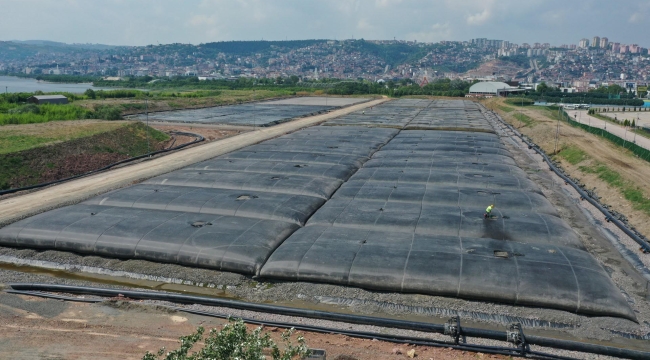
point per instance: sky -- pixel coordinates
(144, 22)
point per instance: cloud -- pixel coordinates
(142, 22)
(634, 18)
(479, 18)
(434, 33)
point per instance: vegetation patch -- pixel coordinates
(61, 160)
(520, 101)
(527, 120)
(31, 114)
(630, 192)
(234, 341)
(506, 109)
(24, 137)
(573, 155)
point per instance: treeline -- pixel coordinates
(67, 79)
(585, 98)
(603, 95)
(393, 53)
(440, 87)
(251, 47)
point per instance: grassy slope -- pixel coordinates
(14, 138)
(77, 156)
(627, 188)
(586, 164)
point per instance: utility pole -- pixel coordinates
(557, 135)
(146, 106)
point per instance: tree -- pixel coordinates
(633, 123)
(90, 93)
(542, 87)
(234, 342)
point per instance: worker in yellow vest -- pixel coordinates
(488, 211)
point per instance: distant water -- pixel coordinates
(16, 84)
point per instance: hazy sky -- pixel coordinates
(142, 22)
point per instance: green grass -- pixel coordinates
(505, 108)
(46, 113)
(21, 138)
(524, 119)
(630, 192)
(29, 166)
(11, 143)
(573, 155)
(519, 102)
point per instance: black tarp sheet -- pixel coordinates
(473, 268)
(374, 204)
(260, 114)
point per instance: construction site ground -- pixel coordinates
(24, 265)
(36, 328)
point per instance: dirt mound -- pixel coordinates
(74, 157)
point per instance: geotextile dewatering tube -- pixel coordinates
(608, 216)
(455, 330)
(199, 138)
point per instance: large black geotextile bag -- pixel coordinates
(410, 220)
(230, 243)
(228, 213)
(245, 114)
(252, 204)
(506, 201)
(436, 219)
(510, 272)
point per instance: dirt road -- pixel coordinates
(18, 207)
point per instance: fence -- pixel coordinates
(641, 152)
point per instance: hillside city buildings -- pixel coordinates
(588, 64)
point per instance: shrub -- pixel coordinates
(107, 112)
(234, 342)
(25, 109)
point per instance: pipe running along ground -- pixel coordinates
(198, 139)
(325, 330)
(354, 319)
(608, 216)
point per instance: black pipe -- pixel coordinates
(323, 315)
(608, 216)
(325, 330)
(199, 138)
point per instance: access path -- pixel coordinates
(617, 130)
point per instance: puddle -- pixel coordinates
(102, 276)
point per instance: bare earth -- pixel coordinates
(209, 133)
(633, 169)
(35, 328)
